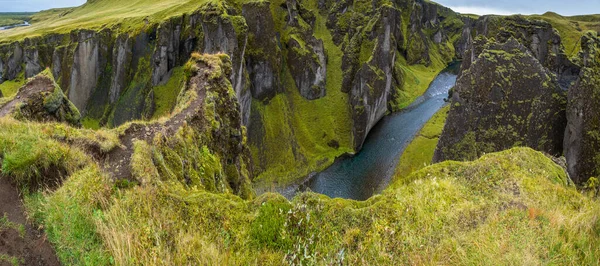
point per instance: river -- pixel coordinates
(24, 24)
(360, 176)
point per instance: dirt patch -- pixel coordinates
(21, 240)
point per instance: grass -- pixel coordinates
(571, 29)
(506, 208)
(129, 16)
(11, 260)
(6, 224)
(8, 19)
(511, 207)
(70, 214)
(419, 153)
(416, 81)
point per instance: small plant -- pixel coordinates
(6, 224)
(593, 185)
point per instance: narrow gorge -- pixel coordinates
(298, 132)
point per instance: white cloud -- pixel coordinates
(478, 10)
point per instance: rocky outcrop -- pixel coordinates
(200, 145)
(503, 98)
(373, 83)
(13, 59)
(85, 70)
(582, 136)
(121, 61)
(306, 55)
(110, 77)
(42, 100)
(538, 36)
(264, 60)
(374, 43)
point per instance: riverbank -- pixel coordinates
(370, 171)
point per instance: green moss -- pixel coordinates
(90, 123)
(165, 96)
(416, 80)
(419, 153)
(297, 131)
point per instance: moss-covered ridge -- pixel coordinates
(42, 100)
(504, 208)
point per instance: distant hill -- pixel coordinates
(8, 19)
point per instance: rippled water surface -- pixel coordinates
(370, 171)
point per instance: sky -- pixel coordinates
(525, 7)
(479, 7)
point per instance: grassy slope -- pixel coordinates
(419, 153)
(128, 15)
(571, 29)
(512, 207)
(165, 95)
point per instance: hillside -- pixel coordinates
(144, 132)
(9, 19)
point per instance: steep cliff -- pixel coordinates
(312, 77)
(503, 98)
(539, 37)
(582, 136)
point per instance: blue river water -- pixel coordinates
(360, 176)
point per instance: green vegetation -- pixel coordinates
(9, 19)
(5, 224)
(571, 29)
(10, 259)
(10, 88)
(298, 131)
(69, 216)
(419, 153)
(506, 208)
(165, 96)
(129, 16)
(417, 79)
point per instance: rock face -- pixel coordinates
(539, 37)
(503, 98)
(85, 70)
(582, 136)
(110, 76)
(42, 100)
(307, 48)
(264, 60)
(372, 53)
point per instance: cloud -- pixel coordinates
(480, 10)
